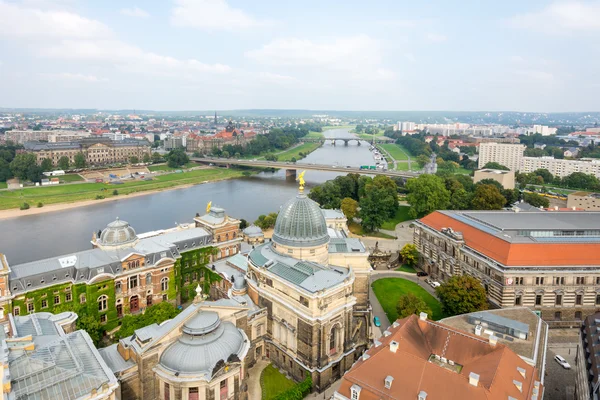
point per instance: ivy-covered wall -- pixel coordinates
(191, 269)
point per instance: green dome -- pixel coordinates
(300, 223)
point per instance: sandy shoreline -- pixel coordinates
(16, 213)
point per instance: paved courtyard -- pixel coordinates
(560, 381)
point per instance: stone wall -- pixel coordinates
(149, 382)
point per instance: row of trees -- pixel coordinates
(373, 200)
(576, 180)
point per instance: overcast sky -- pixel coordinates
(518, 55)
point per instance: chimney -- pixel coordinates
(422, 395)
(493, 340)
(386, 333)
(473, 379)
(519, 385)
(423, 316)
(388, 381)
(393, 346)
(522, 372)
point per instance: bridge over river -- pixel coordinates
(291, 168)
(344, 139)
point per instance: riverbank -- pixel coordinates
(57, 198)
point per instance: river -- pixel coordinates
(35, 237)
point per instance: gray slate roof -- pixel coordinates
(253, 231)
(300, 223)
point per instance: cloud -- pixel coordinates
(32, 23)
(75, 77)
(135, 12)
(536, 75)
(562, 17)
(211, 15)
(436, 37)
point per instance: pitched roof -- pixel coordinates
(414, 367)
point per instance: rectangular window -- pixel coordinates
(44, 303)
(133, 281)
(103, 318)
(578, 299)
(598, 280)
(68, 296)
(580, 280)
(193, 393)
(557, 316)
(16, 311)
(56, 299)
(518, 301)
(598, 299)
(167, 391)
(578, 315)
(558, 300)
(538, 300)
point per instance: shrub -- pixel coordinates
(99, 197)
(40, 204)
(24, 206)
(115, 192)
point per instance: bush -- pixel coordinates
(298, 392)
(115, 192)
(99, 197)
(40, 204)
(24, 206)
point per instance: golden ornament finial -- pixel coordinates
(208, 207)
(300, 179)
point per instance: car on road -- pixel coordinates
(434, 284)
(422, 273)
(428, 281)
(563, 363)
(376, 321)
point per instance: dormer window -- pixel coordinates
(355, 392)
(388, 381)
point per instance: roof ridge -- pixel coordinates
(503, 351)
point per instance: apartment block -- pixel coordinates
(506, 154)
(560, 167)
(584, 200)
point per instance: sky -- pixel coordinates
(467, 55)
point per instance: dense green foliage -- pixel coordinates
(275, 385)
(79, 160)
(266, 221)
(409, 304)
(349, 207)
(426, 194)
(177, 158)
(409, 254)
(377, 197)
(495, 165)
(487, 197)
(24, 166)
(461, 295)
(536, 200)
(154, 314)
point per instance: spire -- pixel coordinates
(215, 117)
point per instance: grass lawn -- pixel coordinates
(165, 167)
(274, 382)
(464, 171)
(89, 191)
(406, 268)
(295, 152)
(358, 230)
(3, 185)
(326, 128)
(395, 151)
(70, 178)
(401, 216)
(389, 290)
(402, 165)
(314, 135)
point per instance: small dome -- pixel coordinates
(117, 233)
(300, 223)
(204, 342)
(253, 230)
(240, 282)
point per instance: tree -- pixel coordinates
(156, 157)
(409, 254)
(487, 197)
(426, 194)
(154, 314)
(91, 325)
(63, 163)
(495, 165)
(177, 158)
(225, 154)
(134, 160)
(46, 165)
(409, 304)
(146, 158)
(462, 294)
(266, 221)
(536, 200)
(460, 200)
(243, 224)
(545, 174)
(79, 160)
(349, 208)
(371, 213)
(22, 164)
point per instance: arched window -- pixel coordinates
(118, 287)
(227, 236)
(102, 302)
(164, 284)
(227, 252)
(148, 278)
(218, 238)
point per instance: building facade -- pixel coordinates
(505, 178)
(546, 261)
(560, 167)
(23, 136)
(584, 200)
(586, 363)
(96, 151)
(506, 154)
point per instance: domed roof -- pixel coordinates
(253, 230)
(240, 282)
(300, 223)
(117, 233)
(205, 341)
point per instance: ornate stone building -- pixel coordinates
(315, 289)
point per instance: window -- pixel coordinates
(538, 299)
(290, 251)
(559, 280)
(558, 300)
(30, 307)
(133, 281)
(519, 280)
(312, 251)
(580, 280)
(578, 299)
(557, 316)
(332, 340)
(148, 278)
(355, 392)
(539, 280)
(164, 284)
(165, 297)
(68, 296)
(167, 391)
(118, 287)
(82, 299)
(102, 302)
(103, 319)
(598, 299)
(598, 280)
(193, 393)
(578, 315)
(518, 300)
(17, 311)
(56, 299)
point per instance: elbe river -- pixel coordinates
(35, 237)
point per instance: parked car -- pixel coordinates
(563, 363)
(435, 284)
(428, 281)
(376, 321)
(422, 273)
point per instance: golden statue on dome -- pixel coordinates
(300, 179)
(208, 207)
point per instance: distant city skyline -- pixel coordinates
(229, 54)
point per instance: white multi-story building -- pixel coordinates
(560, 167)
(544, 130)
(506, 154)
(116, 136)
(406, 126)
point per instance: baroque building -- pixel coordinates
(546, 261)
(314, 287)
